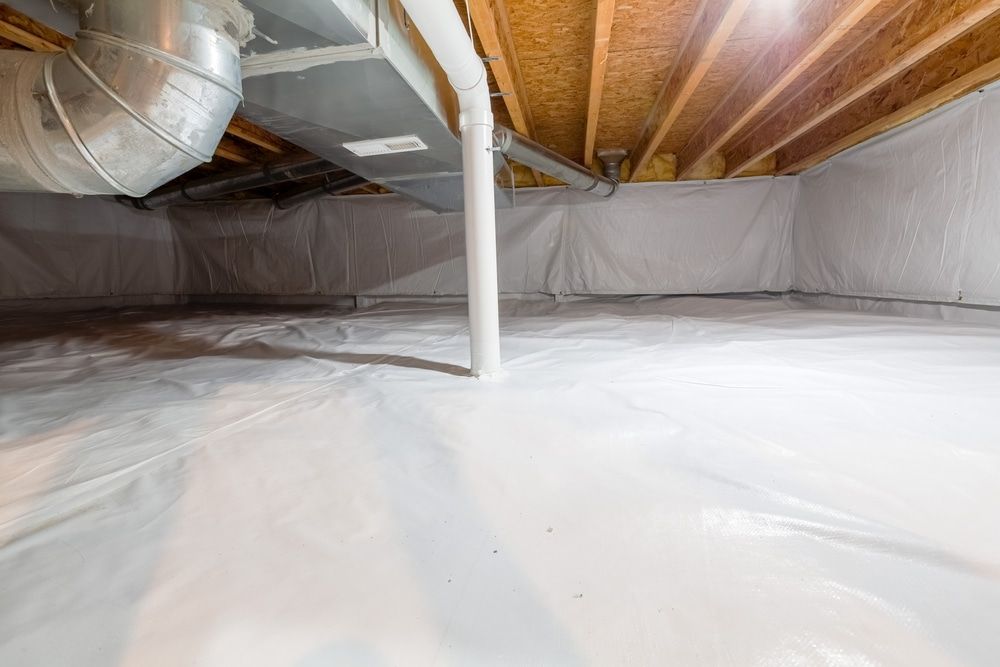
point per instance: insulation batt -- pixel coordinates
(687, 481)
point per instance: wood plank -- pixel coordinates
(713, 23)
(39, 37)
(22, 37)
(243, 129)
(492, 25)
(8, 45)
(962, 67)
(817, 28)
(911, 35)
(603, 16)
(234, 152)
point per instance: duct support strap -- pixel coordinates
(143, 96)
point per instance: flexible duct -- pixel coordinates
(144, 95)
(531, 154)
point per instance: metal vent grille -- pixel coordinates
(386, 146)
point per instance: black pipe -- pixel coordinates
(334, 187)
(212, 187)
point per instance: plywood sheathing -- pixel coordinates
(553, 47)
(645, 36)
(873, 21)
(801, 41)
(914, 33)
(729, 66)
(754, 33)
(961, 67)
(712, 25)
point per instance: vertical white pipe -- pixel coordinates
(442, 29)
(481, 248)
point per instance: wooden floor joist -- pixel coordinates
(712, 25)
(911, 35)
(952, 91)
(243, 129)
(25, 31)
(603, 16)
(816, 29)
(962, 67)
(489, 17)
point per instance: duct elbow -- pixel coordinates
(143, 96)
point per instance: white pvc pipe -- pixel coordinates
(442, 29)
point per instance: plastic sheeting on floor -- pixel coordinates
(655, 482)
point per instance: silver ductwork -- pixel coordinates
(612, 159)
(532, 154)
(334, 74)
(143, 96)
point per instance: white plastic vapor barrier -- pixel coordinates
(656, 481)
(911, 215)
(914, 214)
(657, 238)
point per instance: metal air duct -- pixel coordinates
(143, 96)
(531, 154)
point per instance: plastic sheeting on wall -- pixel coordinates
(57, 246)
(652, 238)
(914, 214)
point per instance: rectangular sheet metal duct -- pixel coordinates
(324, 73)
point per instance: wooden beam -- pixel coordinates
(22, 37)
(603, 15)
(29, 33)
(816, 29)
(909, 101)
(493, 28)
(234, 152)
(712, 25)
(243, 129)
(8, 45)
(911, 35)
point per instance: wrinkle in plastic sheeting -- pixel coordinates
(656, 481)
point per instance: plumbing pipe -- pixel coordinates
(531, 154)
(443, 31)
(238, 180)
(142, 96)
(334, 187)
